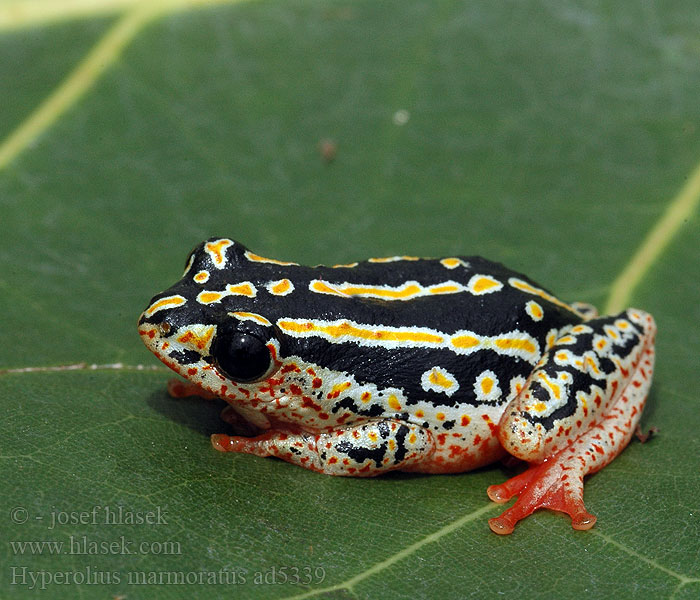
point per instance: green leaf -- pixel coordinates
(556, 137)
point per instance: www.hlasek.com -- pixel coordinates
(42, 579)
(84, 545)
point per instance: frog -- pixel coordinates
(409, 364)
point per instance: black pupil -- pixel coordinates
(241, 356)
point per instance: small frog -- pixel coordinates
(401, 363)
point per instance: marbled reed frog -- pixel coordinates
(432, 366)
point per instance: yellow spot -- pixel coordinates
(393, 402)
(366, 397)
(372, 435)
(216, 251)
(241, 289)
(483, 284)
(392, 445)
(199, 339)
(515, 344)
(249, 316)
(163, 303)
(201, 277)
(323, 288)
(281, 287)
(440, 416)
(257, 258)
(591, 363)
(486, 385)
(392, 259)
(420, 414)
(465, 341)
(452, 263)
(339, 387)
(534, 310)
(437, 378)
(412, 439)
(443, 289)
(540, 407)
(562, 356)
(209, 297)
(567, 339)
(555, 389)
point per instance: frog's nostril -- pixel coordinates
(165, 328)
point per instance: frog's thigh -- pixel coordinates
(578, 411)
(364, 450)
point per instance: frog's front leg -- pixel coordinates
(578, 411)
(363, 450)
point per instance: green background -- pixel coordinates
(551, 136)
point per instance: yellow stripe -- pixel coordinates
(531, 289)
(407, 291)
(678, 212)
(163, 303)
(462, 342)
(346, 329)
(82, 78)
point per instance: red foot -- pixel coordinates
(548, 485)
(234, 443)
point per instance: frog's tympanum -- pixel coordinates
(419, 365)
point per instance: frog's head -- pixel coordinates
(207, 326)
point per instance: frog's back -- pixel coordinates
(434, 328)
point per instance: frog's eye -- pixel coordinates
(241, 356)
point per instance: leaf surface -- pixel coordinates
(553, 137)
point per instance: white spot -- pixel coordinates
(483, 284)
(517, 385)
(486, 387)
(280, 288)
(535, 311)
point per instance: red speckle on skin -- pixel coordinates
(290, 367)
(311, 372)
(597, 400)
(316, 383)
(441, 438)
(332, 460)
(578, 423)
(323, 415)
(598, 449)
(456, 450)
(192, 371)
(351, 469)
(465, 420)
(296, 390)
(151, 334)
(365, 469)
(477, 440)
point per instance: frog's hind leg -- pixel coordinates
(361, 451)
(578, 411)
